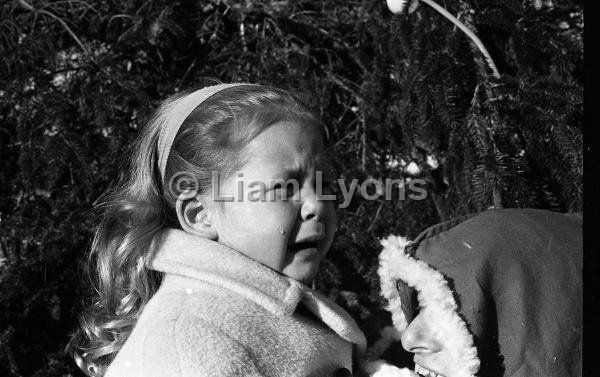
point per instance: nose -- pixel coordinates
(418, 337)
(312, 208)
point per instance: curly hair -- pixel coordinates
(141, 205)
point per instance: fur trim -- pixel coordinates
(435, 298)
(380, 368)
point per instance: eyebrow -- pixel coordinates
(322, 161)
(293, 173)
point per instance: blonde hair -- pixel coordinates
(212, 138)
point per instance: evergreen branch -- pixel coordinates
(398, 6)
(468, 32)
(374, 220)
(30, 7)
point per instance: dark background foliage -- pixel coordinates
(403, 96)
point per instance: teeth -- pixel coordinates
(425, 372)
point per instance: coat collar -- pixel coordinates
(184, 254)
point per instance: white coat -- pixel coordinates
(220, 313)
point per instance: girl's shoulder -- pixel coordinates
(182, 301)
(176, 335)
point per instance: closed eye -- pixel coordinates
(285, 189)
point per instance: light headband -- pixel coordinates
(177, 115)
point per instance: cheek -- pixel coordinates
(277, 218)
(260, 221)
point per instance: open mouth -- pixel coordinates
(422, 371)
(306, 243)
(303, 245)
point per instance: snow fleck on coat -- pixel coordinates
(220, 313)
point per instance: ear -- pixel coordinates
(195, 218)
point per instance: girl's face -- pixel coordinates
(275, 217)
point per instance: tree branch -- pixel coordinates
(469, 33)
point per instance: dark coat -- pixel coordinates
(517, 274)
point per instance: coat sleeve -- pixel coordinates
(190, 347)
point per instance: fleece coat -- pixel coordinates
(220, 313)
(516, 274)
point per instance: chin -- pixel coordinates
(304, 274)
(306, 278)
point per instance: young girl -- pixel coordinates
(200, 276)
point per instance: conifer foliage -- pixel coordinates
(404, 97)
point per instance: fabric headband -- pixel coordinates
(177, 115)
